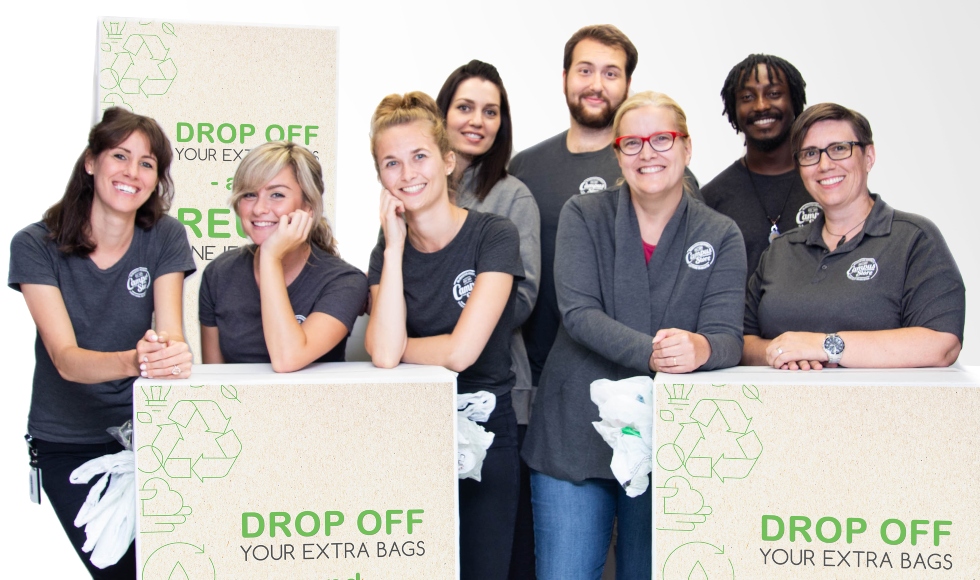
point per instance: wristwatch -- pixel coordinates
(833, 345)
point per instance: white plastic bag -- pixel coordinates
(472, 440)
(626, 408)
(109, 518)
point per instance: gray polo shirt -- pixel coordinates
(897, 273)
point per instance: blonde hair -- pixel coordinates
(650, 99)
(397, 110)
(266, 161)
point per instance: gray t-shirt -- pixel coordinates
(511, 199)
(554, 174)
(109, 309)
(438, 284)
(230, 300)
(897, 272)
(752, 199)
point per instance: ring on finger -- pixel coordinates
(675, 361)
(779, 350)
(176, 370)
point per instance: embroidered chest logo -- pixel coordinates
(700, 256)
(138, 282)
(808, 212)
(300, 318)
(863, 270)
(592, 185)
(462, 286)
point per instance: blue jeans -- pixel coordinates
(573, 524)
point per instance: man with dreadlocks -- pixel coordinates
(762, 191)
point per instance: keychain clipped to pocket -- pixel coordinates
(35, 472)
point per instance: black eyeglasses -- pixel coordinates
(835, 151)
(632, 144)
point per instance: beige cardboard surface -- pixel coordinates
(727, 454)
(208, 454)
(218, 91)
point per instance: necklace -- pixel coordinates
(774, 229)
(843, 238)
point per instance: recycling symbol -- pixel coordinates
(141, 68)
(198, 442)
(698, 561)
(717, 442)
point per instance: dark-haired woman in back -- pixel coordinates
(474, 102)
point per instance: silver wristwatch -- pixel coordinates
(833, 345)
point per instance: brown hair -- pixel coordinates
(829, 112)
(68, 220)
(266, 161)
(397, 110)
(608, 35)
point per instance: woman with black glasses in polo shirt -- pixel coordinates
(864, 285)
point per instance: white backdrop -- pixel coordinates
(909, 67)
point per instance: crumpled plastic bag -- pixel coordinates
(472, 440)
(626, 408)
(109, 518)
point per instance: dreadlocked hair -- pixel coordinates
(777, 67)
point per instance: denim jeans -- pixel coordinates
(488, 508)
(573, 524)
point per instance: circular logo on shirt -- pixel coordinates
(700, 255)
(462, 286)
(138, 282)
(300, 318)
(592, 185)
(863, 269)
(808, 212)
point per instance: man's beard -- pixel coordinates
(767, 145)
(600, 120)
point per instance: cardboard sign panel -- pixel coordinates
(340, 471)
(832, 475)
(219, 91)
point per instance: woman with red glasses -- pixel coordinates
(648, 280)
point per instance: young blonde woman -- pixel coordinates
(443, 287)
(95, 272)
(286, 299)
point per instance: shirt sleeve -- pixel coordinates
(31, 260)
(175, 251)
(753, 296)
(580, 301)
(934, 296)
(500, 247)
(377, 261)
(344, 296)
(722, 305)
(205, 298)
(524, 213)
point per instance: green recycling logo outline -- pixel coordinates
(697, 561)
(179, 561)
(683, 451)
(170, 435)
(141, 66)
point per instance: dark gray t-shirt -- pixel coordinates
(438, 284)
(896, 273)
(230, 300)
(554, 174)
(750, 198)
(109, 309)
